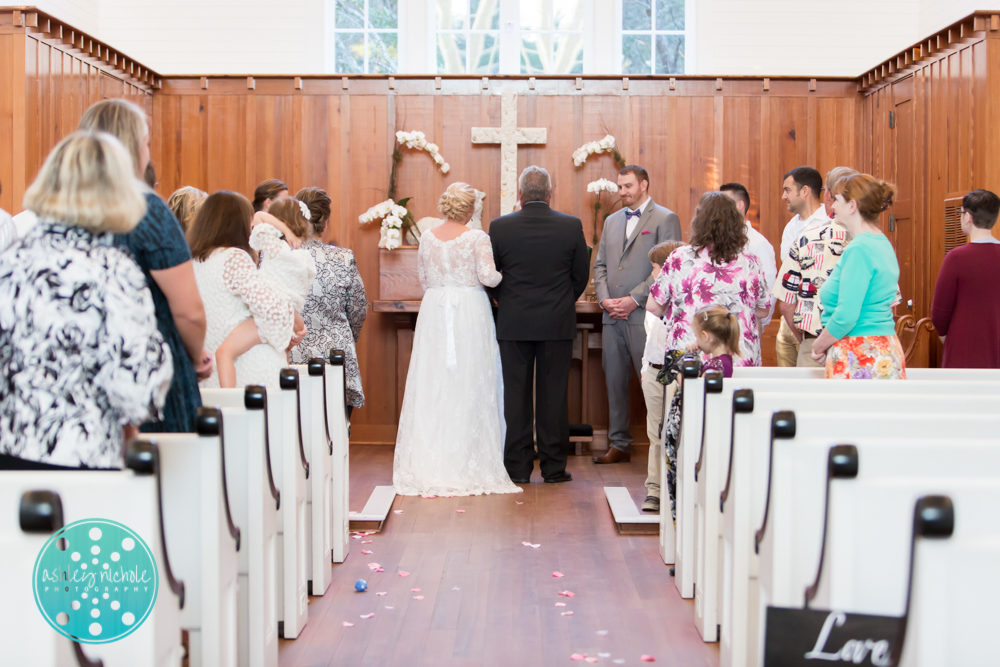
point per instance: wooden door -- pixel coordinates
(898, 221)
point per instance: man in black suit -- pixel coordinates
(542, 255)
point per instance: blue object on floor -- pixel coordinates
(361, 585)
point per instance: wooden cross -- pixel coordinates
(508, 135)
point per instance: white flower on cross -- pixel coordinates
(581, 154)
(391, 214)
(419, 141)
(602, 185)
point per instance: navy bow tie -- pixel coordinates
(630, 214)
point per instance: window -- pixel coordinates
(653, 36)
(551, 36)
(366, 36)
(468, 36)
(510, 36)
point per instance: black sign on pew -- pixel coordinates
(810, 637)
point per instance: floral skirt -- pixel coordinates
(866, 358)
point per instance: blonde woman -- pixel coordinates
(80, 351)
(185, 203)
(157, 244)
(451, 429)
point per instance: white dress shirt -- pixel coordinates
(23, 222)
(656, 341)
(630, 223)
(7, 231)
(757, 244)
(796, 227)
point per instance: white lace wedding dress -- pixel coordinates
(451, 429)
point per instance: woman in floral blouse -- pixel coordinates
(80, 353)
(715, 269)
(336, 306)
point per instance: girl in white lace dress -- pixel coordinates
(288, 272)
(226, 270)
(451, 429)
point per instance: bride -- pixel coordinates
(451, 429)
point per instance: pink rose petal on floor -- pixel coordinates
(602, 633)
(366, 541)
(428, 497)
(403, 573)
(648, 658)
(374, 566)
(418, 597)
(560, 604)
(414, 590)
(381, 593)
(570, 594)
(368, 615)
(355, 537)
(604, 655)
(567, 613)
(380, 570)
(397, 511)
(370, 532)
(518, 502)
(366, 552)
(591, 660)
(529, 544)
(347, 625)
(578, 656)
(558, 574)
(460, 511)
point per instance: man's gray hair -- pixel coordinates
(534, 184)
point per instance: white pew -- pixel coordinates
(319, 454)
(939, 374)
(704, 403)
(338, 430)
(759, 512)
(746, 490)
(692, 420)
(35, 504)
(869, 528)
(291, 471)
(254, 500)
(201, 532)
(951, 610)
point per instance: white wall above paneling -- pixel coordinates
(726, 37)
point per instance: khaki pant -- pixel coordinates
(786, 346)
(805, 359)
(652, 391)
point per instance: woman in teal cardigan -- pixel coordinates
(859, 340)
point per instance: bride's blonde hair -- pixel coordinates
(457, 201)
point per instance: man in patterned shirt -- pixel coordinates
(810, 260)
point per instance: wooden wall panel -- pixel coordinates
(690, 140)
(939, 147)
(45, 87)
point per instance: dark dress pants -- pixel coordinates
(519, 359)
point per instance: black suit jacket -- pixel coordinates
(542, 255)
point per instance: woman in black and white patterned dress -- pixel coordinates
(336, 306)
(81, 358)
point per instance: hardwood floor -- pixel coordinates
(489, 600)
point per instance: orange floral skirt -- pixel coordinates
(866, 358)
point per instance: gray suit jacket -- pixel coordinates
(622, 268)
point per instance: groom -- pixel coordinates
(543, 258)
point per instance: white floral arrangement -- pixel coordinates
(605, 145)
(392, 215)
(418, 140)
(602, 185)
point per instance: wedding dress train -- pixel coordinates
(451, 429)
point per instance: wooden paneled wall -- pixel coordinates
(691, 134)
(939, 143)
(49, 75)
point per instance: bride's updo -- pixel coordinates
(457, 202)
